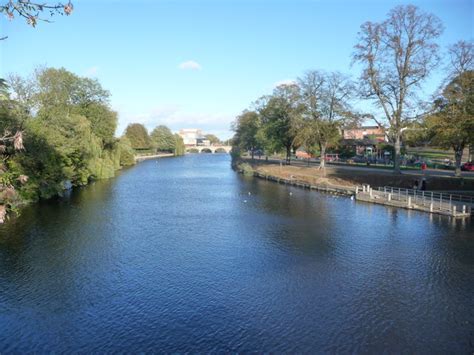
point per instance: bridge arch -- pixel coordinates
(209, 149)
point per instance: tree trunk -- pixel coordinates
(322, 161)
(458, 157)
(397, 155)
(288, 155)
(471, 152)
(252, 153)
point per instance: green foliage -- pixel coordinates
(452, 125)
(246, 128)
(416, 134)
(163, 140)
(103, 121)
(213, 139)
(281, 115)
(127, 154)
(138, 136)
(69, 142)
(180, 148)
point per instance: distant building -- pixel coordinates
(190, 136)
(376, 133)
(203, 142)
(364, 140)
(193, 137)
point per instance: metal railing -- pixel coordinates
(432, 196)
(433, 200)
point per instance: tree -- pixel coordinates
(452, 124)
(127, 155)
(213, 139)
(179, 147)
(246, 127)
(103, 121)
(326, 101)
(10, 125)
(61, 89)
(56, 130)
(23, 91)
(55, 92)
(281, 115)
(397, 55)
(163, 139)
(31, 11)
(138, 136)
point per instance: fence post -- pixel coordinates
(431, 207)
(409, 201)
(357, 190)
(454, 210)
(370, 192)
(463, 208)
(389, 196)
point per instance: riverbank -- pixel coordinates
(139, 158)
(7, 213)
(343, 178)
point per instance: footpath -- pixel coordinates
(371, 186)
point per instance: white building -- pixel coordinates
(193, 137)
(190, 135)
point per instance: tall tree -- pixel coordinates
(55, 92)
(452, 124)
(397, 55)
(325, 97)
(281, 115)
(246, 127)
(138, 136)
(179, 147)
(163, 139)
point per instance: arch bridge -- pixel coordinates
(209, 149)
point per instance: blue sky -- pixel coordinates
(188, 63)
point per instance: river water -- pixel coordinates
(183, 254)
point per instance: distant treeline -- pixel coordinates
(161, 139)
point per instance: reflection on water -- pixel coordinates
(185, 255)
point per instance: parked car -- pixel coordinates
(469, 166)
(332, 157)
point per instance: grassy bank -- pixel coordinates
(335, 177)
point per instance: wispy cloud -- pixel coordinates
(92, 71)
(177, 117)
(190, 65)
(284, 82)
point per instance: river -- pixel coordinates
(185, 255)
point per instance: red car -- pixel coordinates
(469, 166)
